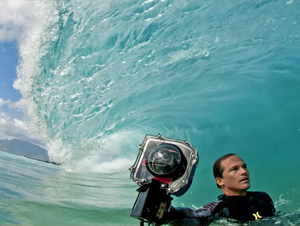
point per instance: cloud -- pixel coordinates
(20, 104)
(15, 128)
(15, 17)
(3, 102)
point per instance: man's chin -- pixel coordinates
(245, 187)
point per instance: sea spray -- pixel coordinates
(98, 76)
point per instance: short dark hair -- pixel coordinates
(218, 169)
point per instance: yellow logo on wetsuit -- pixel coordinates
(257, 216)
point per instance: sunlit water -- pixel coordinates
(99, 75)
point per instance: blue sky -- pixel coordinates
(15, 17)
(8, 63)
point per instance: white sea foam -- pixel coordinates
(107, 167)
(32, 48)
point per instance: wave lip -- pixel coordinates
(98, 76)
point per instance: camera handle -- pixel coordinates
(152, 203)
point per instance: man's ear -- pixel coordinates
(219, 181)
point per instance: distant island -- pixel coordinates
(26, 149)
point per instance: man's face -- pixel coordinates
(235, 179)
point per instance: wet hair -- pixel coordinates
(218, 169)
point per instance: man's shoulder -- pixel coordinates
(261, 195)
(258, 194)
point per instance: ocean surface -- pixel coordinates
(100, 75)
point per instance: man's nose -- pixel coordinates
(243, 171)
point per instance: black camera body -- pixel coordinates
(163, 167)
(152, 202)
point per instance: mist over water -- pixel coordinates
(99, 75)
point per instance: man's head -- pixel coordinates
(231, 175)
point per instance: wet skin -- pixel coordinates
(235, 180)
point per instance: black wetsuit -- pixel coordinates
(253, 206)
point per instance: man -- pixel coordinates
(232, 177)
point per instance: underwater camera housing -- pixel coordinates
(163, 167)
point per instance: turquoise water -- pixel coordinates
(98, 76)
(36, 193)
